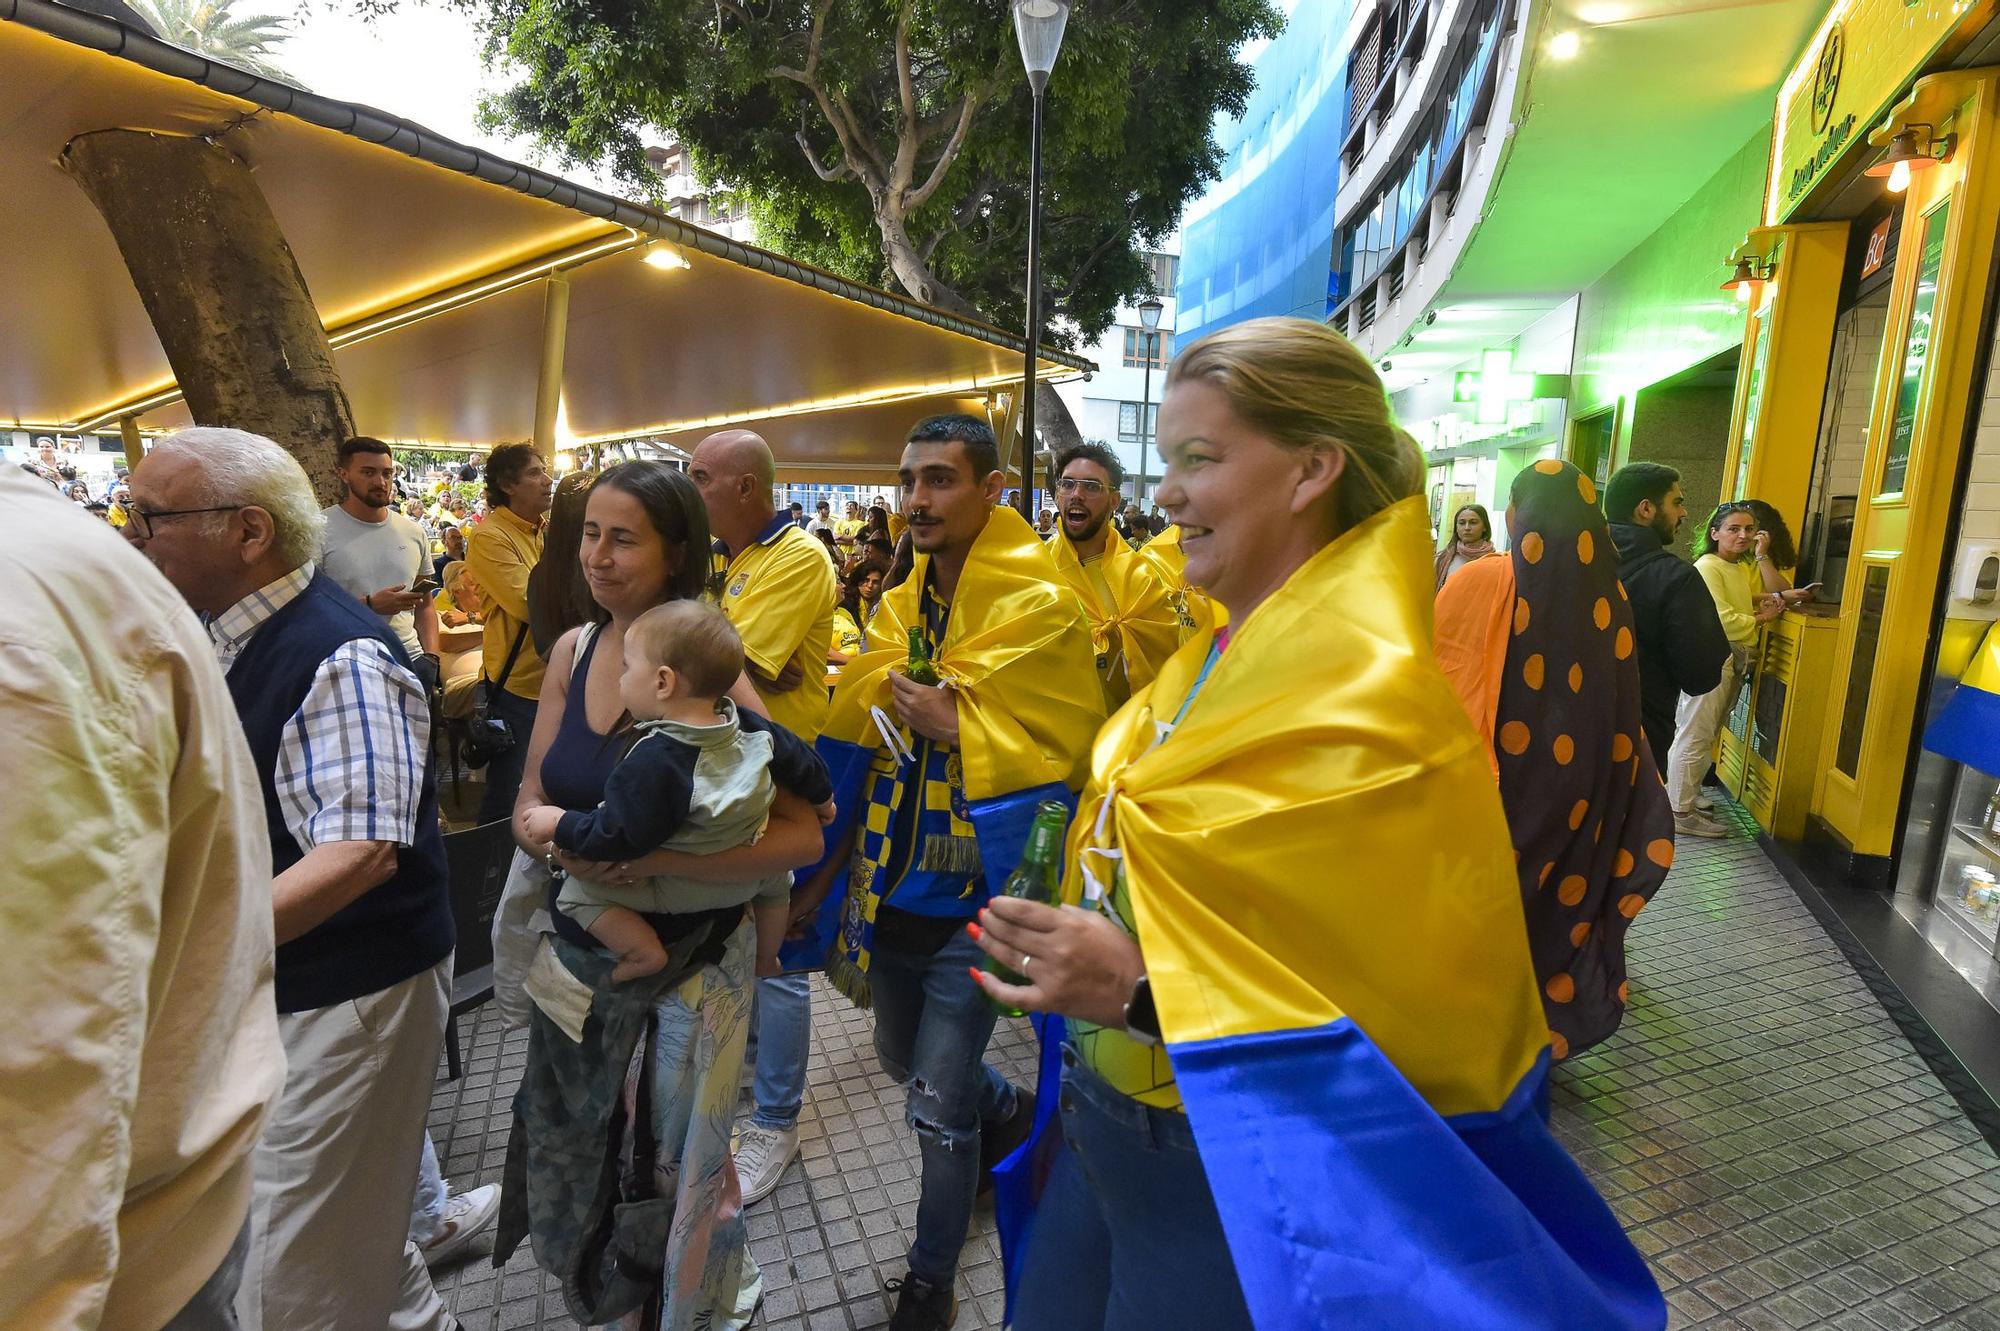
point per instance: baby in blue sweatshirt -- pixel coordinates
(698, 777)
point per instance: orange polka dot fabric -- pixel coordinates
(1594, 843)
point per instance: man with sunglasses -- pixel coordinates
(1133, 625)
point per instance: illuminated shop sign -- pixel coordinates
(1860, 60)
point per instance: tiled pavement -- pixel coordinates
(1774, 1145)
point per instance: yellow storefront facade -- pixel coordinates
(1866, 410)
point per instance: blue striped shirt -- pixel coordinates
(351, 764)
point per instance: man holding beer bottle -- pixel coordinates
(944, 780)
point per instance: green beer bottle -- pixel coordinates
(920, 670)
(1038, 877)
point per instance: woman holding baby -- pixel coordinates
(645, 544)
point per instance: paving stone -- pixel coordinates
(1774, 1145)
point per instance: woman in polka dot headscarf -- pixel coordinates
(1539, 646)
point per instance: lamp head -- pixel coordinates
(662, 256)
(1907, 153)
(1039, 25)
(1149, 313)
(1743, 281)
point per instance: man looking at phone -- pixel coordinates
(377, 555)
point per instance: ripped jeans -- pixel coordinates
(931, 1028)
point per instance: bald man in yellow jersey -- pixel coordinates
(777, 588)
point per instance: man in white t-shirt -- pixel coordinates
(377, 555)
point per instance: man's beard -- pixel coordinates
(365, 497)
(1089, 533)
(1665, 528)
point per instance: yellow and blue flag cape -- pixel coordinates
(1197, 612)
(1968, 729)
(1017, 651)
(1142, 624)
(1332, 924)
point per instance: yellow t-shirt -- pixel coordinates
(1735, 587)
(847, 636)
(779, 593)
(500, 553)
(1138, 1070)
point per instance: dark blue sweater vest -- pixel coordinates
(395, 930)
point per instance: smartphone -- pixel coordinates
(425, 583)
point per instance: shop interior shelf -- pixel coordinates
(1978, 837)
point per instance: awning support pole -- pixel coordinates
(548, 388)
(128, 431)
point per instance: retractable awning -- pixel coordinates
(429, 261)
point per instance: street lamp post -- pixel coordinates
(1038, 26)
(1149, 319)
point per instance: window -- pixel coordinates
(1165, 270)
(1128, 421)
(1136, 346)
(1373, 236)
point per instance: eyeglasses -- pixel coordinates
(142, 519)
(1070, 485)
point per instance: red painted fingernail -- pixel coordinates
(975, 931)
(973, 971)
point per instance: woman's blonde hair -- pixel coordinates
(1302, 385)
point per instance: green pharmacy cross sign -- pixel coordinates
(1494, 386)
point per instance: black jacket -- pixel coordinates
(1682, 647)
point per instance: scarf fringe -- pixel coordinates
(850, 979)
(944, 853)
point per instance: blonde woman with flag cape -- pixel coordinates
(941, 786)
(1306, 1059)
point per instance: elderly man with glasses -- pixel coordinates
(1133, 624)
(338, 730)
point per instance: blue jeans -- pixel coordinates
(503, 774)
(1127, 1237)
(931, 1028)
(433, 1193)
(781, 1030)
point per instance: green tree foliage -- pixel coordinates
(215, 28)
(887, 140)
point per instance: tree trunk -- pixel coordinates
(911, 272)
(1055, 425)
(223, 291)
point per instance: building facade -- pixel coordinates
(1522, 191)
(1119, 403)
(1866, 402)
(1258, 241)
(686, 198)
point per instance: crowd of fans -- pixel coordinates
(735, 747)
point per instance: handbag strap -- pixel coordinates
(512, 653)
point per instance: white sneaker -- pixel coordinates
(1704, 803)
(466, 1217)
(761, 1156)
(1700, 825)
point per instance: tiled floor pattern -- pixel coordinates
(1772, 1142)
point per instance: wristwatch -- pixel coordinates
(1142, 1020)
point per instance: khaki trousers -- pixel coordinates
(330, 1212)
(1697, 722)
